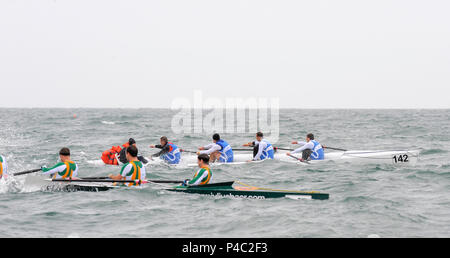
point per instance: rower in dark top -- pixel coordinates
(123, 153)
(169, 151)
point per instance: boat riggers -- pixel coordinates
(109, 156)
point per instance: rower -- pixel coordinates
(64, 169)
(118, 154)
(262, 149)
(133, 170)
(311, 149)
(3, 167)
(123, 155)
(203, 175)
(219, 150)
(169, 151)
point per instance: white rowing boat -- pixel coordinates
(407, 157)
(397, 157)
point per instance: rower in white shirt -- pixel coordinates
(311, 149)
(219, 150)
(262, 149)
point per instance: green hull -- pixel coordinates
(227, 190)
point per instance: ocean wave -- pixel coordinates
(433, 151)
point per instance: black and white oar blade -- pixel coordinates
(27, 172)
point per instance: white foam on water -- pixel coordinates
(97, 162)
(10, 184)
(73, 235)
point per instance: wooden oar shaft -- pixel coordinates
(27, 172)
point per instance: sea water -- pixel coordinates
(366, 199)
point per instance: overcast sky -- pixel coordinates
(309, 54)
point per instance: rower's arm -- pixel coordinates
(58, 168)
(209, 146)
(198, 178)
(212, 148)
(164, 150)
(305, 146)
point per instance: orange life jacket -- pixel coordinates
(109, 156)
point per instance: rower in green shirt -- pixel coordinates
(203, 175)
(64, 169)
(133, 170)
(3, 167)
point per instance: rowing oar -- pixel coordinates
(275, 148)
(188, 151)
(107, 180)
(299, 159)
(27, 172)
(242, 149)
(284, 149)
(331, 148)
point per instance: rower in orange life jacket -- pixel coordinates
(117, 154)
(64, 169)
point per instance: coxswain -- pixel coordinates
(203, 175)
(219, 150)
(311, 149)
(133, 169)
(64, 169)
(3, 167)
(169, 151)
(262, 149)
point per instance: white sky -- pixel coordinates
(310, 54)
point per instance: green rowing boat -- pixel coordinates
(224, 189)
(245, 191)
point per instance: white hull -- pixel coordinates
(364, 156)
